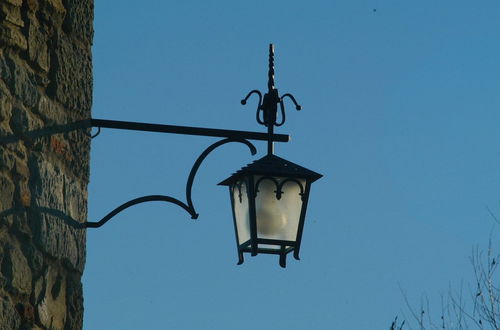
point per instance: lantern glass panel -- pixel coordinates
(241, 211)
(278, 219)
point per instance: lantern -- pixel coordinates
(269, 201)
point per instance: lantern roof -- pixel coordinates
(273, 165)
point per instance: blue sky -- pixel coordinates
(400, 114)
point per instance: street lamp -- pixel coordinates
(268, 197)
(269, 201)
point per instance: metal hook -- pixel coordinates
(259, 105)
(283, 116)
(96, 134)
(297, 106)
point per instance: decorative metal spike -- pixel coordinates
(267, 107)
(270, 82)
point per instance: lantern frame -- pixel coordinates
(280, 172)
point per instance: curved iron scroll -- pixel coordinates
(150, 198)
(279, 186)
(189, 207)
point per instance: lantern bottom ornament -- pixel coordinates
(269, 203)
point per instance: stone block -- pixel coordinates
(15, 269)
(24, 193)
(7, 159)
(56, 236)
(20, 120)
(71, 77)
(32, 5)
(37, 45)
(9, 318)
(46, 182)
(21, 169)
(5, 74)
(36, 261)
(20, 80)
(50, 111)
(5, 107)
(5, 134)
(19, 224)
(51, 310)
(6, 193)
(15, 2)
(21, 272)
(54, 229)
(78, 160)
(74, 301)
(75, 199)
(78, 20)
(48, 12)
(58, 6)
(11, 13)
(18, 148)
(27, 313)
(12, 36)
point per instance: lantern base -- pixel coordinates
(268, 246)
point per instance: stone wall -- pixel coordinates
(45, 82)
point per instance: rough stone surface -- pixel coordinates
(9, 317)
(45, 81)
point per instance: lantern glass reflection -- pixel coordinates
(277, 205)
(241, 211)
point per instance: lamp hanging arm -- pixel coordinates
(189, 207)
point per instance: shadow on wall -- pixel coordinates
(68, 220)
(28, 137)
(46, 131)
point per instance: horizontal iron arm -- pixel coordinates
(200, 131)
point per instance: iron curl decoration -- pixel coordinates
(92, 136)
(188, 206)
(259, 105)
(279, 186)
(267, 106)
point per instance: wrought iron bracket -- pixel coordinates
(188, 206)
(267, 113)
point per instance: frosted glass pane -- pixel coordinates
(241, 212)
(291, 204)
(278, 219)
(269, 246)
(272, 247)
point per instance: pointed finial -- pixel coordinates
(270, 103)
(270, 82)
